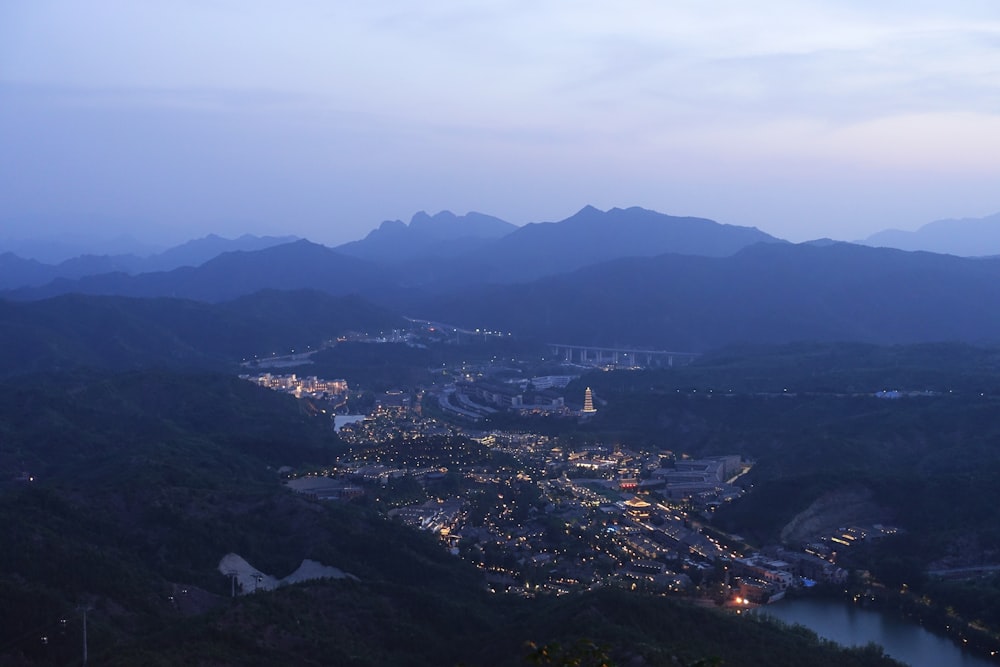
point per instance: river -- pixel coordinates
(850, 625)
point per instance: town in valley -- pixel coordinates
(541, 513)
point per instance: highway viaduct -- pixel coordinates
(620, 356)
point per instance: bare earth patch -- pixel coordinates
(833, 510)
(249, 579)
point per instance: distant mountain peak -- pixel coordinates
(421, 220)
(822, 242)
(389, 226)
(447, 225)
(419, 217)
(443, 234)
(966, 237)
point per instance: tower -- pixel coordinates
(588, 402)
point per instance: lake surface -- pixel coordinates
(850, 625)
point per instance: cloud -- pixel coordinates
(526, 62)
(307, 109)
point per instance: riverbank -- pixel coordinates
(850, 624)
(968, 636)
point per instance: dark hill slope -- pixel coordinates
(75, 331)
(768, 293)
(144, 481)
(16, 272)
(298, 265)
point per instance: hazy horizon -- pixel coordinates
(54, 249)
(170, 121)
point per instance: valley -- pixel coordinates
(485, 487)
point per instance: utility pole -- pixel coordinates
(85, 609)
(232, 577)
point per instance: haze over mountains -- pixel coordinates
(619, 277)
(438, 254)
(766, 293)
(16, 271)
(495, 251)
(966, 237)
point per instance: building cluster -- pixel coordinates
(482, 389)
(484, 396)
(324, 487)
(828, 546)
(299, 387)
(539, 515)
(705, 480)
(440, 516)
(392, 421)
(765, 577)
(558, 520)
(586, 533)
(759, 579)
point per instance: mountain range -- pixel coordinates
(121, 333)
(297, 265)
(766, 293)
(16, 271)
(132, 459)
(428, 237)
(486, 250)
(441, 253)
(619, 277)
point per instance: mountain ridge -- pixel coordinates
(297, 265)
(441, 235)
(17, 271)
(397, 258)
(115, 332)
(764, 293)
(590, 236)
(775, 293)
(538, 249)
(965, 237)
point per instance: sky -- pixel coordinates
(168, 120)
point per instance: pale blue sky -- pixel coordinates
(173, 119)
